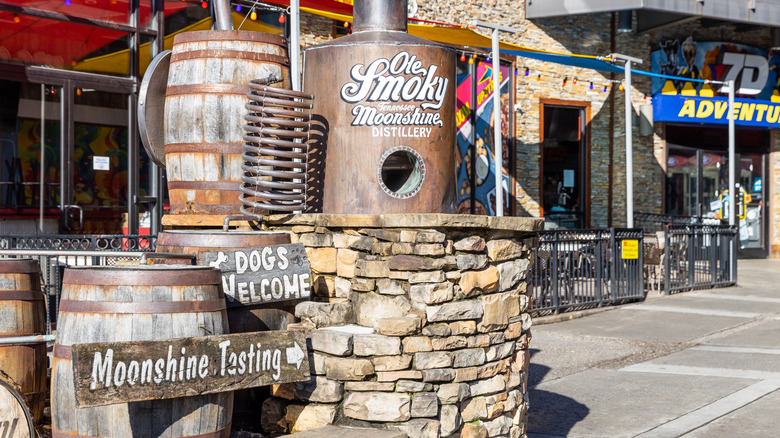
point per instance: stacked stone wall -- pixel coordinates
(421, 326)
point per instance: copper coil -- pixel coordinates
(275, 150)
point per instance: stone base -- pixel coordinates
(422, 324)
(348, 432)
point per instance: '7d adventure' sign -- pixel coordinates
(263, 275)
(120, 372)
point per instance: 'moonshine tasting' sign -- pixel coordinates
(120, 372)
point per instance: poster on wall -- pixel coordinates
(93, 186)
(475, 122)
(754, 70)
(28, 154)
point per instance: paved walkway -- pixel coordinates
(695, 364)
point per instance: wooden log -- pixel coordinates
(137, 303)
(22, 314)
(208, 81)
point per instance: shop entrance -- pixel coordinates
(90, 171)
(564, 147)
(697, 180)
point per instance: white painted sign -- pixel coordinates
(101, 163)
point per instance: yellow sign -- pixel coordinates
(630, 249)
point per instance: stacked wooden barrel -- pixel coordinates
(208, 82)
(22, 314)
(137, 303)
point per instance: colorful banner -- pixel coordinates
(714, 110)
(479, 118)
(753, 70)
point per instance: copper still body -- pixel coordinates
(386, 115)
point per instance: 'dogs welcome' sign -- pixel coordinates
(263, 275)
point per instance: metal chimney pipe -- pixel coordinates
(223, 19)
(379, 15)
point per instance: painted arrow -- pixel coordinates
(295, 355)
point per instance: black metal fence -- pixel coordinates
(577, 269)
(652, 222)
(55, 252)
(699, 256)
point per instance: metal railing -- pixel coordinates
(699, 256)
(652, 222)
(578, 269)
(55, 252)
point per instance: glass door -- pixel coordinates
(563, 168)
(697, 186)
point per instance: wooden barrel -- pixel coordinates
(22, 314)
(137, 303)
(272, 316)
(208, 81)
(15, 418)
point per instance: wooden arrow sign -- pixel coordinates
(269, 274)
(120, 372)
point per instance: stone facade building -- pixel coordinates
(567, 94)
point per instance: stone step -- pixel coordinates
(348, 432)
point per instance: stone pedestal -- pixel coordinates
(420, 324)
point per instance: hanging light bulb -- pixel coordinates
(605, 88)
(527, 72)
(281, 18)
(462, 57)
(73, 62)
(16, 18)
(515, 71)
(67, 2)
(346, 24)
(204, 4)
(78, 91)
(238, 8)
(253, 16)
(488, 58)
(538, 78)
(574, 81)
(471, 61)
(591, 86)
(564, 81)
(620, 87)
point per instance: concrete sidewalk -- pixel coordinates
(695, 364)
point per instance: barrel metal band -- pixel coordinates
(21, 295)
(141, 277)
(63, 352)
(229, 54)
(224, 432)
(222, 89)
(204, 185)
(204, 148)
(144, 307)
(229, 35)
(21, 266)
